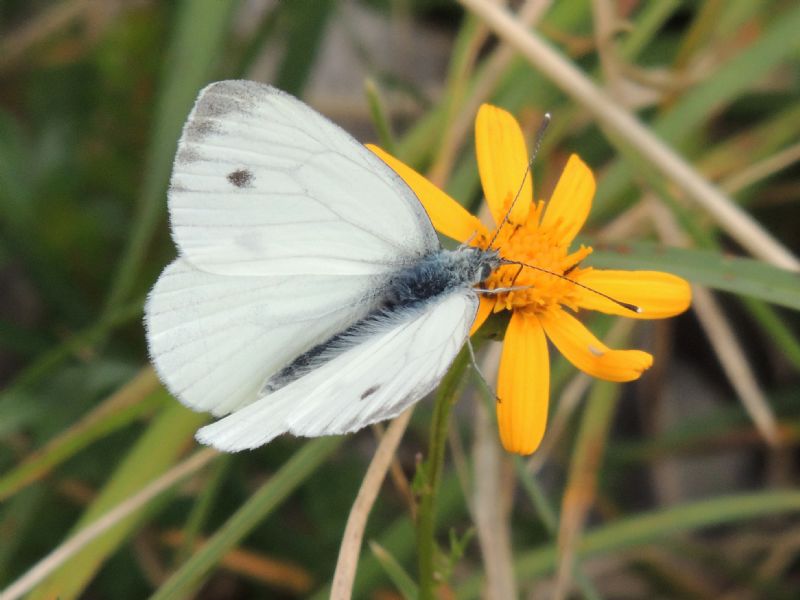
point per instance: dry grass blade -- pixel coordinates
(491, 505)
(720, 333)
(39, 463)
(581, 488)
(734, 362)
(492, 70)
(273, 572)
(567, 403)
(74, 544)
(605, 27)
(627, 225)
(737, 223)
(342, 587)
(762, 169)
(401, 483)
(42, 27)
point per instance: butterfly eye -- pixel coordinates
(485, 271)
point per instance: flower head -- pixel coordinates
(539, 234)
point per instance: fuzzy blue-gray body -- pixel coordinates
(404, 293)
(435, 275)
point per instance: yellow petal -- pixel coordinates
(589, 354)
(484, 310)
(523, 385)
(503, 163)
(447, 215)
(571, 200)
(658, 295)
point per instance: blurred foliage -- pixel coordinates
(92, 98)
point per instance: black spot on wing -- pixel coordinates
(241, 178)
(369, 391)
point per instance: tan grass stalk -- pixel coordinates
(490, 502)
(492, 70)
(722, 337)
(77, 542)
(762, 169)
(349, 551)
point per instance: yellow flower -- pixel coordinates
(539, 234)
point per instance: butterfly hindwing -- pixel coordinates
(216, 339)
(375, 378)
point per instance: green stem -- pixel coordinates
(432, 473)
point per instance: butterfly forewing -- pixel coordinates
(262, 184)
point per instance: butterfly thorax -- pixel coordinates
(438, 273)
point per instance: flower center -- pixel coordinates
(542, 248)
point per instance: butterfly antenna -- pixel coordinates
(536, 145)
(625, 305)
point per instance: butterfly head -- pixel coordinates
(476, 264)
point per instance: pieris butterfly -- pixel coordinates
(311, 294)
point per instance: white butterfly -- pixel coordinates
(310, 294)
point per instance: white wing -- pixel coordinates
(285, 225)
(373, 380)
(215, 339)
(262, 184)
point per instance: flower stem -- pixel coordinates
(432, 474)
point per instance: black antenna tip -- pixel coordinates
(631, 307)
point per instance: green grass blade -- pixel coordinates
(201, 508)
(380, 120)
(776, 329)
(734, 77)
(395, 571)
(310, 457)
(649, 21)
(730, 81)
(581, 487)
(305, 27)
(549, 518)
(400, 539)
(155, 451)
(19, 516)
(196, 46)
(16, 407)
(652, 527)
(128, 404)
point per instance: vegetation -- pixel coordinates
(683, 484)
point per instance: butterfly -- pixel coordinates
(310, 294)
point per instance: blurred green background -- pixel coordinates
(688, 476)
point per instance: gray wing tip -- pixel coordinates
(230, 96)
(242, 88)
(214, 102)
(230, 86)
(219, 99)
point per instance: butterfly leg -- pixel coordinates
(485, 383)
(503, 290)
